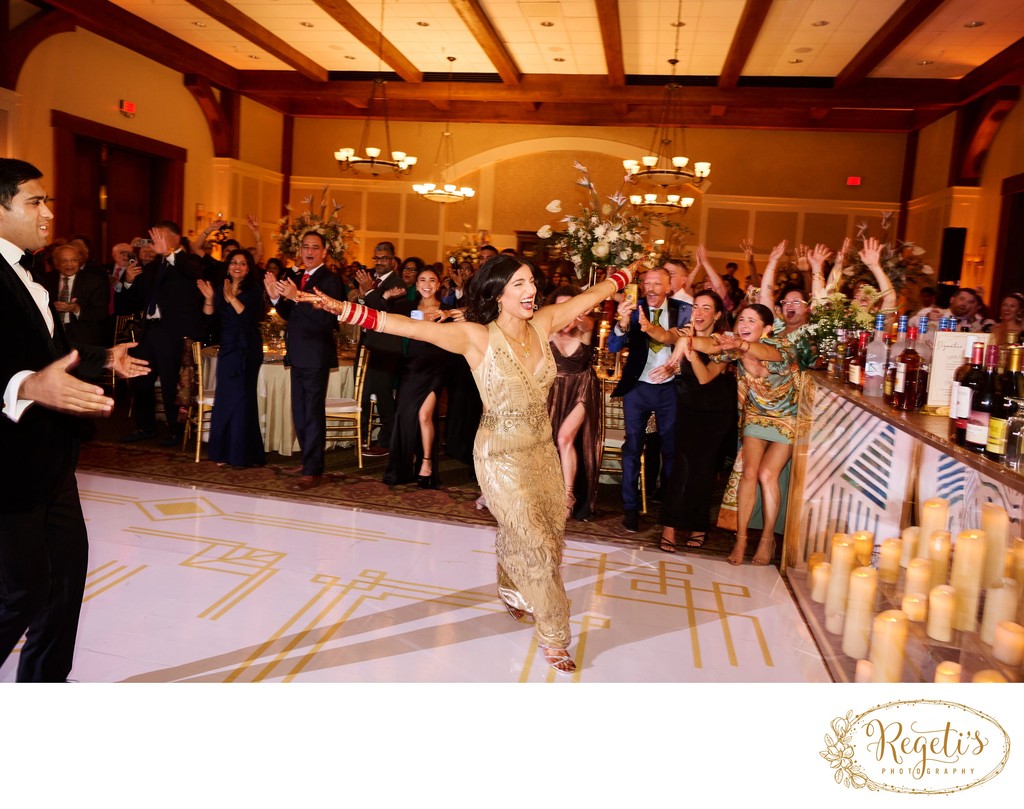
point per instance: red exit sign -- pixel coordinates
(852, 180)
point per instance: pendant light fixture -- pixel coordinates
(441, 188)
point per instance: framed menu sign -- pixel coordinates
(947, 355)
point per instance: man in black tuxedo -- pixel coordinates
(82, 299)
(165, 291)
(43, 543)
(385, 349)
(640, 397)
(311, 352)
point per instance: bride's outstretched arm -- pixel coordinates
(557, 316)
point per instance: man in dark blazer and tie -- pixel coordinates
(641, 397)
(311, 352)
(165, 292)
(43, 543)
(88, 296)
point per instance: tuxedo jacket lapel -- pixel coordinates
(19, 292)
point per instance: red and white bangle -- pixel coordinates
(363, 316)
(620, 278)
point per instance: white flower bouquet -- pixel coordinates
(337, 235)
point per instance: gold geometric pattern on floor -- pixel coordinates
(106, 577)
(235, 558)
(669, 584)
(178, 508)
(314, 527)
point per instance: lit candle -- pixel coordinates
(947, 672)
(910, 537)
(968, 567)
(814, 560)
(864, 547)
(919, 576)
(860, 611)
(1009, 643)
(938, 554)
(888, 640)
(934, 517)
(988, 676)
(819, 582)
(863, 672)
(1000, 605)
(915, 605)
(838, 582)
(889, 561)
(995, 522)
(941, 603)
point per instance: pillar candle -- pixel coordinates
(860, 611)
(995, 522)
(988, 676)
(889, 561)
(1018, 574)
(838, 583)
(819, 582)
(863, 672)
(910, 537)
(938, 554)
(814, 560)
(1008, 647)
(947, 672)
(915, 605)
(864, 547)
(934, 517)
(919, 576)
(1000, 605)
(968, 567)
(888, 641)
(941, 602)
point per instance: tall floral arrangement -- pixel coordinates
(601, 235)
(468, 248)
(337, 235)
(903, 262)
(834, 311)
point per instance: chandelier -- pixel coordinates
(444, 190)
(368, 160)
(665, 165)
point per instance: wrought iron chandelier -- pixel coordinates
(368, 160)
(665, 165)
(444, 190)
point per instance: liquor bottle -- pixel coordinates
(1009, 387)
(898, 344)
(837, 359)
(984, 400)
(924, 348)
(855, 374)
(875, 360)
(965, 380)
(908, 373)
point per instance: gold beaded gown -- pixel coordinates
(519, 474)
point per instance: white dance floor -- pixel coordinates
(194, 585)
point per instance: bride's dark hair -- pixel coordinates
(487, 284)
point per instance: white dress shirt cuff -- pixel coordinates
(14, 407)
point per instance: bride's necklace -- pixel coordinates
(524, 345)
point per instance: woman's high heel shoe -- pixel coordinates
(558, 659)
(738, 550)
(426, 481)
(570, 501)
(763, 556)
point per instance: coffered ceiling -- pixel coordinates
(883, 65)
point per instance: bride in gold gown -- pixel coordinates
(505, 343)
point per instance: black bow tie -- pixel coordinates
(27, 260)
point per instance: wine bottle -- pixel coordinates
(898, 344)
(983, 401)
(908, 373)
(1009, 387)
(875, 360)
(965, 381)
(855, 374)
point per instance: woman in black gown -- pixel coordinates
(235, 436)
(414, 436)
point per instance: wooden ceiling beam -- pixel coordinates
(24, 39)
(480, 26)
(357, 25)
(229, 16)
(1006, 67)
(611, 36)
(903, 22)
(747, 31)
(113, 23)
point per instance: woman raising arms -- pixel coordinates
(505, 343)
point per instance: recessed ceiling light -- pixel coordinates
(547, 23)
(559, 59)
(305, 24)
(423, 24)
(924, 62)
(254, 56)
(795, 61)
(802, 50)
(678, 24)
(350, 57)
(974, 24)
(819, 23)
(199, 23)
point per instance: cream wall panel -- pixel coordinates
(934, 152)
(261, 135)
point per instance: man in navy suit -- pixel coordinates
(44, 547)
(311, 352)
(641, 397)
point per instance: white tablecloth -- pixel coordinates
(274, 398)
